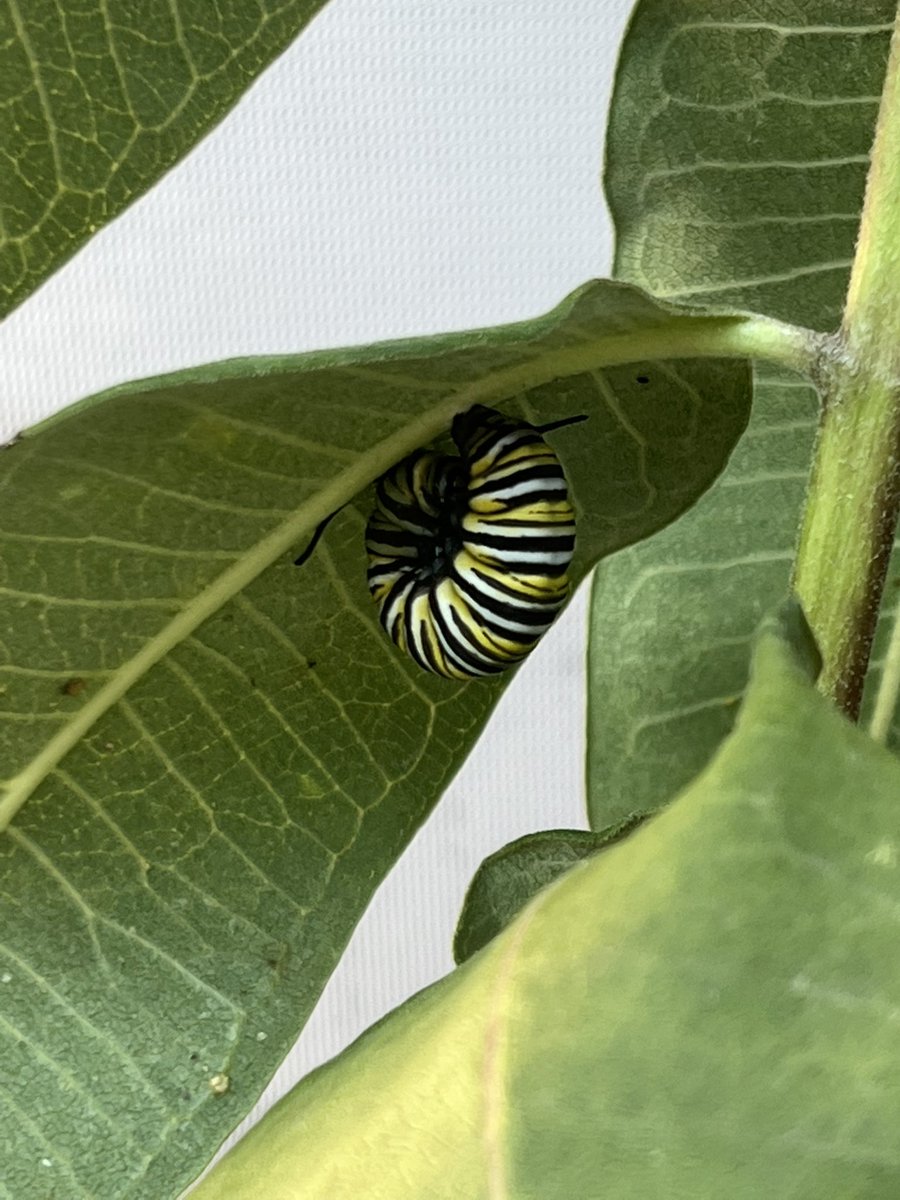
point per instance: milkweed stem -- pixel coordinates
(854, 494)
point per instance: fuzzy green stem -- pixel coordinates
(853, 499)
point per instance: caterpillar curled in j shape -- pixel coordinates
(469, 553)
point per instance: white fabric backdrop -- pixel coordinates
(406, 167)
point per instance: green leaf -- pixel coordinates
(880, 710)
(514, 874)
(707, 1010)
(212, 757)
(98, 100)
(738, 147)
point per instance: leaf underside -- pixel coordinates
(178, 888)
(514, 874)
(737, 155)
(99, 99)
(664, 1036)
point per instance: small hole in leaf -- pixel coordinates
(642, 378)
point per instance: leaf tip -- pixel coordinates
(789, 626)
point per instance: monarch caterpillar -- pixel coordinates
(468, 554)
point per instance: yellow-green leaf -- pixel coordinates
(707, 1009)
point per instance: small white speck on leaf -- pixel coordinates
(6, 977)
(883, 855)
(261, 1036)
(46, 1162)
(219, 1084)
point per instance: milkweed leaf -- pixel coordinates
(211, 757)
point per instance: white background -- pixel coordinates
(406, 167)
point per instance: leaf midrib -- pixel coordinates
(215, 595)
(680, 335)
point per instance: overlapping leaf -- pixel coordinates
(707, 1009)
(514, 874)
(98, 99)
(737, 154)
(246, 754)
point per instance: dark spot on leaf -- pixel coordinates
(73, 687)
(642, 378)
(311, 663)
(185, 1094)
(194, 1057)
(277, 957)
